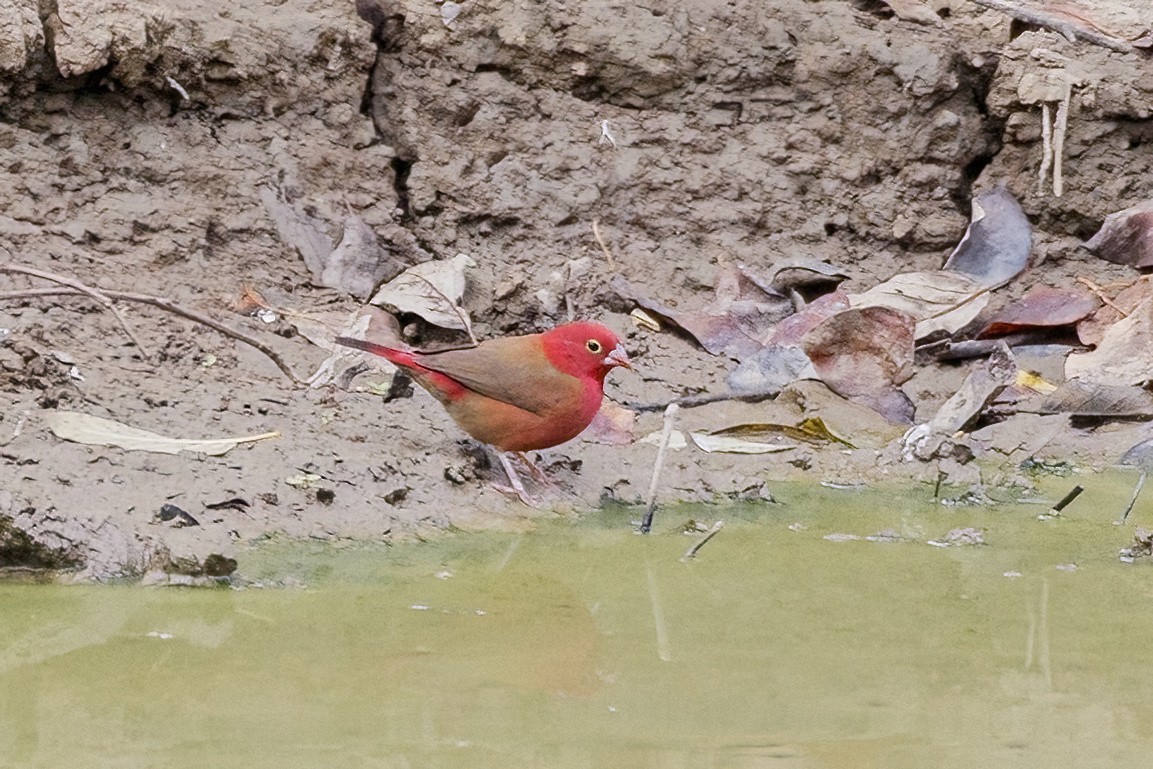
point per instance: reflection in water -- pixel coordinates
(588, 646)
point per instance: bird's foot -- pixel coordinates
(516, 486)
(527, 499)
(538, 475)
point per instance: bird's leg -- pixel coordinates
(534, 470)
(514, 480)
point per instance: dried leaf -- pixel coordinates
(791, 330)
(736, 323)
(1092, 330)
(980, 388)
(729, 445)
(1033, 381)
(941, 300)
(614, 425)
(98, 431)
(432, 290)
(1124, 356)
(358, 263)
(1126, 237)
(862, 355)
(803, 273)
(1079, 399)
(1042, 307)
(811, 430)
(676, 439)
(770, 370)
(299, 229)
(996, 246)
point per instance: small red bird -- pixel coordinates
(519, 393)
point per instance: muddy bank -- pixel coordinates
(140, 148)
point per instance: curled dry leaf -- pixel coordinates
(863, 355)
(1126, 237)
(432, 291)
(737, 322)
(803, 273)
(810, 430)
(996, 246)
(941, 300)
(1124, 356)
(1042, 308)
(98, 431)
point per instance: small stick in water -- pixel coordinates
(692, 551)
(666, 433)
(1133, 499)
(1056, 509)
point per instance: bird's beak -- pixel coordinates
(618, 357)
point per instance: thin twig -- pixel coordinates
(1046, 148)
(603, 245)
(164, 304)
(97, 294)
(1062, 26)
(666, 433)
(692, 551)
(1136, 493)
(704, 399)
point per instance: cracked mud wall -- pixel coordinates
(136, 141)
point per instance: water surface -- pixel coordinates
(582, 644)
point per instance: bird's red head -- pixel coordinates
(585, 349)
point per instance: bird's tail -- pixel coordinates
(399, 357)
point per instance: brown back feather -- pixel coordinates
(513, 370)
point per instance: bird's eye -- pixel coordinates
(594, 346)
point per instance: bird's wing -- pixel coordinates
(514, 370)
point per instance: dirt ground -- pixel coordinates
(140, 145)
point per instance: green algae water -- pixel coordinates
(785, 643)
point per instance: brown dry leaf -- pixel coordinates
(1124, 356)
(432, 291)
(801, 272)
(614, 425)
(810, 430)
(792, 329)
(941, 300)
(249, 301)
(863, 355)
(1091, 330)
(996, 246)
(1079, 399)
(359, 262)
(737, 322)
(1126, 237)
(980, 388)
(1042, 307)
